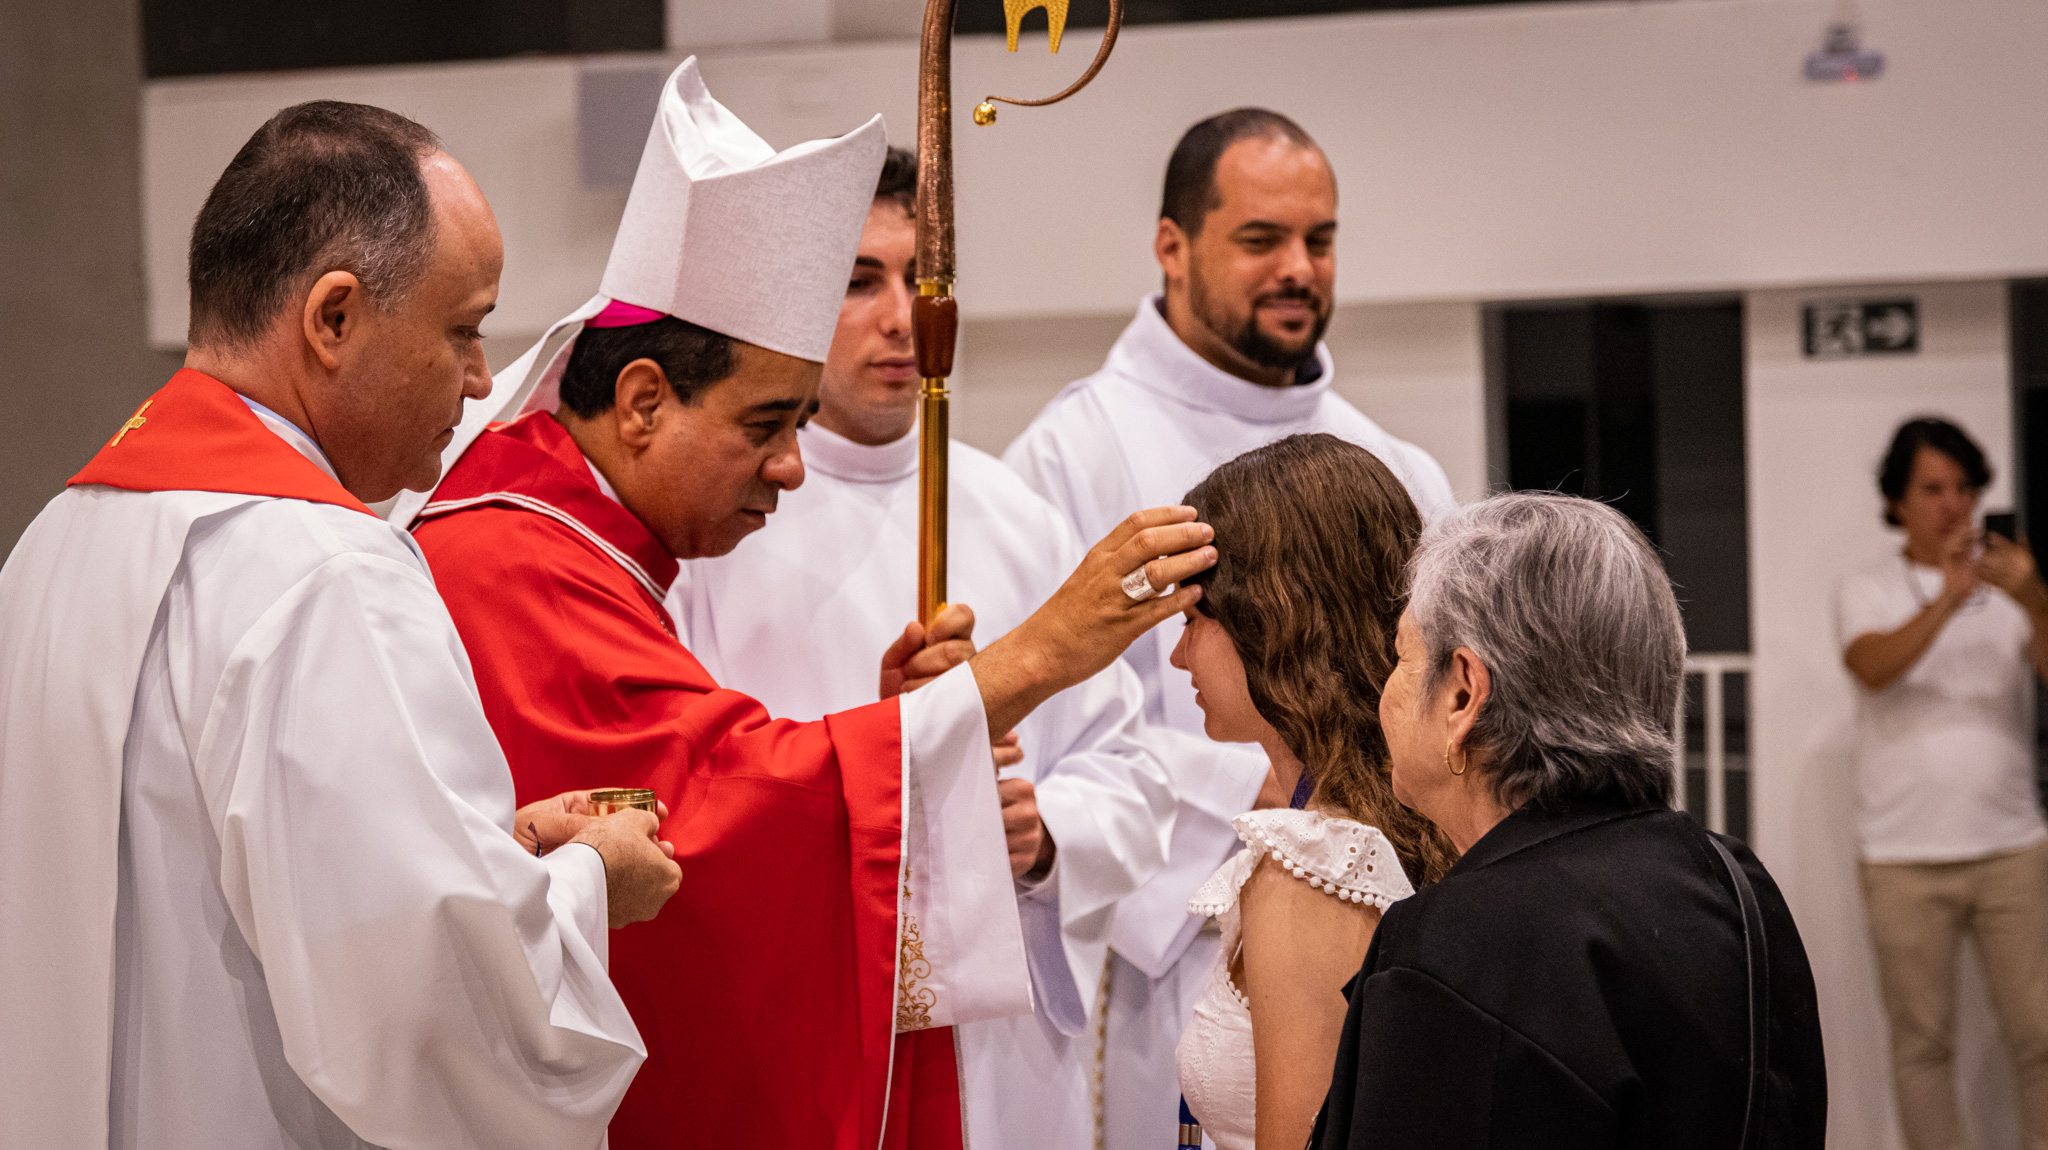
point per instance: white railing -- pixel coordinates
(1714, 670)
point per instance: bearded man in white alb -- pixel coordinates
(259, 881)
(1227, 358)
(797, 615)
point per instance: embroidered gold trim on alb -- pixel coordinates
(914, 1001)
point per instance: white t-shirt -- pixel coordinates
(1944, 756)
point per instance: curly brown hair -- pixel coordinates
(1313, 536)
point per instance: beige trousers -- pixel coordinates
(1918, 915)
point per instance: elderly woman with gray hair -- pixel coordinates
(1596, 970)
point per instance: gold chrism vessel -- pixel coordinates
(615, 799)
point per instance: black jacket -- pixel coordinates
(1577, 980)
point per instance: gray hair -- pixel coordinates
(1566, 604)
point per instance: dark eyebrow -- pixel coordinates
(866, 262)
(780, 405)
(1271, 226)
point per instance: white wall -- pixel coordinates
(1816, 431)
(1417, 369)
(1523, 151)
(695, 25)
(1007, 369)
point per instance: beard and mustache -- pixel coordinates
(1242, 333)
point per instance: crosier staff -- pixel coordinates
(935, 315)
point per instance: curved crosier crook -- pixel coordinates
(985, 113)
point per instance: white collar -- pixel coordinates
(292, 434)
(604, 485)
(1152, 356)
(842, 458)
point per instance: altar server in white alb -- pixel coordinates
(797, 615)
(1227, 358)
(259, 884)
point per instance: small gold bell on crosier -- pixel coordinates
(984, 114)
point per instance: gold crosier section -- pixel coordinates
(933, 435)
(935, 315)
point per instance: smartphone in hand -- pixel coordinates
(2003, 523)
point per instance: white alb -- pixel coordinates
(282, 906)
(1346, 859)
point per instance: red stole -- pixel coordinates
(196, 434)
(765, 990)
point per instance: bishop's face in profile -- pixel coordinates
(702, 473)
(1251, 289)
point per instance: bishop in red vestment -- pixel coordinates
(846, 892)
(766, 992)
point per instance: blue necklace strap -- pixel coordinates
(1303, 788)
(1190, 1130)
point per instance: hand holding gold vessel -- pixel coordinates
(620, 825)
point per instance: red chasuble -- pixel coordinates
(765, 990)
(196, 434)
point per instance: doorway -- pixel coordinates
(2028, 308)
(1639, 404)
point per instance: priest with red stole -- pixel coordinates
(260, 882)
(847, 894)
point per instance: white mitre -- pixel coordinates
(720, 229)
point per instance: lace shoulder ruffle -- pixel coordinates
(1347, 859)
(1220, 892)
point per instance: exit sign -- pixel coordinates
(1841, 328)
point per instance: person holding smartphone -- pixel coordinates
(1943, 640)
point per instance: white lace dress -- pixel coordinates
(1351, 861)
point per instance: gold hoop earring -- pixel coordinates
(1459, 771)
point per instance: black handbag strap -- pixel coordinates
(1757, 953)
